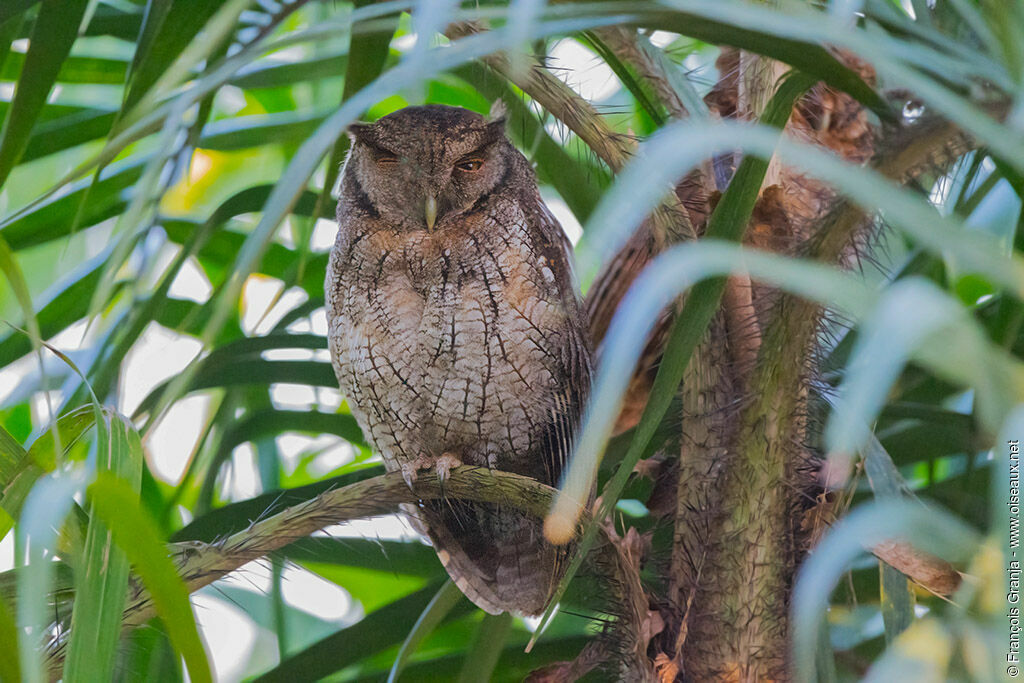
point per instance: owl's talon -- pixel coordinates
(444, 465)
(410, 470)
(409, 473)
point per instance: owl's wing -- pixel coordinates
(574, 348)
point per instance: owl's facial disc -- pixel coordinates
(424, 168)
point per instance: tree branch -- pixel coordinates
(637, 51)
(670, 221)
(774, 423)
(560, 100)
(200, 564)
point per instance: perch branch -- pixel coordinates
(201, 564)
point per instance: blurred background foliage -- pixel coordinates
(166, 169)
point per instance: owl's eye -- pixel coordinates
(470, 165)
(380, 154)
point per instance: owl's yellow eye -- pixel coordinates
(387, 159)
(470, 165)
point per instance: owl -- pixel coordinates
(456, 333)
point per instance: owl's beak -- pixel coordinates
(430, 211)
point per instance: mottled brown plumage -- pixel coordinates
(461, 341)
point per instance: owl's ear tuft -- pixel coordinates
(360, 132)
(498, 112)
(496, 122)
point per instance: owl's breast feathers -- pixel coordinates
(467, 340)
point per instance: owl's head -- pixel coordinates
(423, 167)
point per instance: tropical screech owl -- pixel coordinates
(456, 332)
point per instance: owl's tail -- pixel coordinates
(495, 554)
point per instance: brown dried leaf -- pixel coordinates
(816, 520)
(665, 668)
(932, 573)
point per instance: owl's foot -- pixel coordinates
(442, 465)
